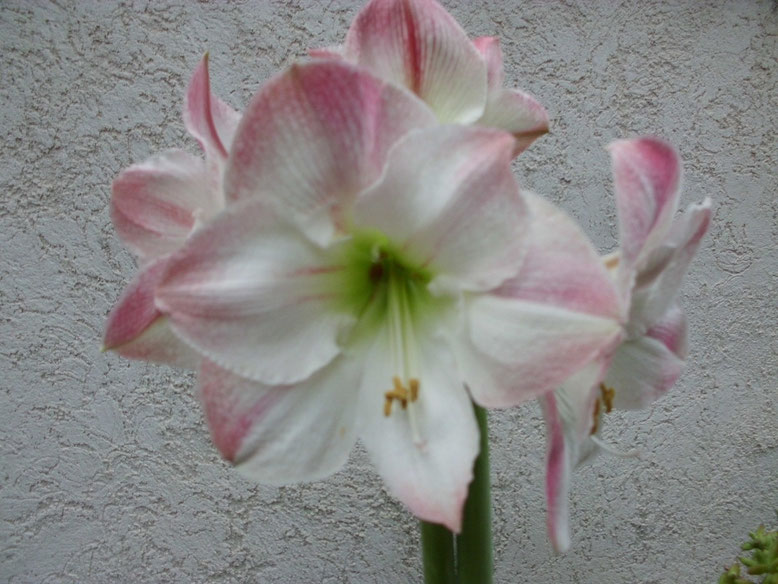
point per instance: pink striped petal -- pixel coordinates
(424, 453)
(211, 121)
(569, 416)
(449, 200)
(647, 177)
(558, 476)
(491, 52)
(518, 113)
(156, 204)
(559, 313)
(254, 295)
(315, 136)
(137, 330)
(418, 45)
(660, 275)
(282, 434)
(643, 369)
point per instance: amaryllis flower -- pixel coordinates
(371, 265)
(418, 45)
(155, 206)
(654, 255)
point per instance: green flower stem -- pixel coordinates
(437, 545)
(474, 544)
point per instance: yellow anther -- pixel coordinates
(401, 393)
(608, 394)
(596, 417)
(413, 387)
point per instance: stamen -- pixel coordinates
(608, 394)
(401, 393)
(634, 453)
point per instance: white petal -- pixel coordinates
(252, 294)
(660, 275)
(643, 369)
(449, 200)
(418, 45)
(283, 434)
(559, 313)
(313, 137)
(426, 452)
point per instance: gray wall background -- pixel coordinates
(107, 472)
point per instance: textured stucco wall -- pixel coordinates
(107, 472)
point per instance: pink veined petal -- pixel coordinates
(315, 136)
(490, 50)
(156, 204)
(283, 434)
(568, 412)
(558, 475)
(418, 45)
(659, 277)
(647, 177)
(559, 313)
(643, 369)
(425, 453)
(518, 113)
(449, 200)
(211, 121)
(137, 330)
(254, 295)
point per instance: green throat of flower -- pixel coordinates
(388, 292)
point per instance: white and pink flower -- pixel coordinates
(416, 44)
(371, 266)
(654, 255)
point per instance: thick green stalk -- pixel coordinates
(437, 545)
(474, 544)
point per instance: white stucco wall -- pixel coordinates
(107, 473)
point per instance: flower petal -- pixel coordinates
(283, 434)
(558, 475)
(518, 113)
(315, 136)
(425, 453)
(449, 200)
(137, 330)
(252, 294)
(647, 177)
(418, 45)
(156, 204)
(568, 412)
(559, 313)
(211, 121)
(491, 52)
(643, 369)
(660, 275)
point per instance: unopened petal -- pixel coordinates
(449, 200)
(425, 452)
(418, 45)
(156, 204)
(211, 121)
(315, 136)
(518, 113)
(559, 313)
(283, 434)
(251, 293)
(137, 330)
